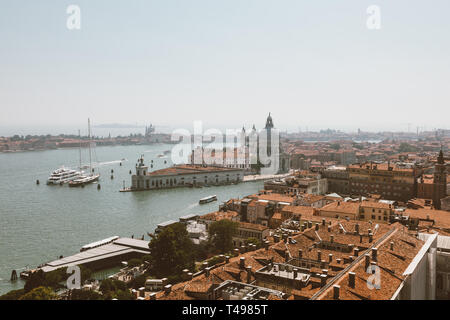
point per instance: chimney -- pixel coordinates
(302, 228)
(370, 237)
(319, 255)
(153, 296)
(332, 238)
(249, 274)
(164, 281)
(309, 224)
(236, 251)
(392, 245)
(207, 271)
(366, 261)
(336, 289)
(242, 263)
(351, 279)
(190, 275)
(374, 254)
(357, 228)
(360, 238)
(323, 280)
(356, 252)
(317, 227)
(329, 228)
(323, 221)
(286, 256)
(338, 261)
(205, 265)
(295, 272)
(227, 259)
(168, 288)
(300, 253)
(330, 258)
(185, 274)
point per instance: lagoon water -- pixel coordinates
(38, 223)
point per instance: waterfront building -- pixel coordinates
(183, 176)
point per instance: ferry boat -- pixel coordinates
(63, 175)
(208, 199)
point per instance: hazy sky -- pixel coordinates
(226, 62)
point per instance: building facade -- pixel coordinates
(183, 176)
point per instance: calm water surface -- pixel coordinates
(38, 223)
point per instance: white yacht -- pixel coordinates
(63, 175)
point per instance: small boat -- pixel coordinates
(208, 199)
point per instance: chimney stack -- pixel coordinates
(336, 289)
(300, 253)
(360, 238)
(374, 254)
(330, 258)
(370, 237)
(207, 271)
(317, 227)
(242, 263)
(332, 238)
(351, 279)
(168, 288)
(392, 245)
(319, 255)
(323, 221)
(153, 296)
(366, 261)
(249, 274)
(227, 259)
(323, 280)
(356, 252)
(329, 228)
(190, 275)
(357, 228)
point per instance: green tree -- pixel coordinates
(13, 295)
(221, 234)
(171, 251)
(253, 241)
(85, 295)
(134, 262)
(39, 293)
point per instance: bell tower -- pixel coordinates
(439, 181)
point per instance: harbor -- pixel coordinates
(57, 220)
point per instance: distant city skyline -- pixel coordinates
(227, 63)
